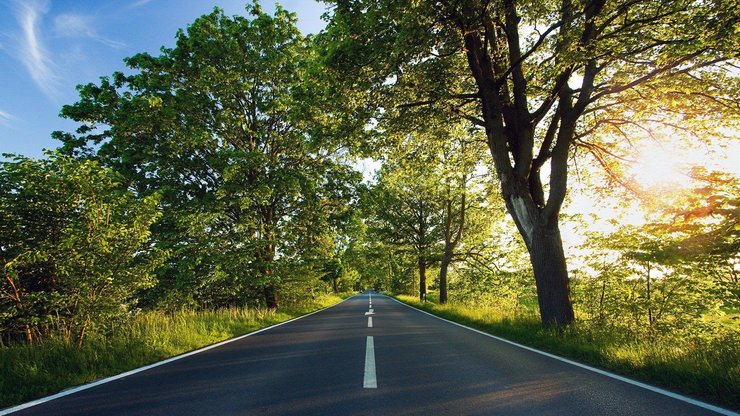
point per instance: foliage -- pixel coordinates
(676, 273)
(379, 265)
(540, 78)
(218, 125)
(215, 175)
(333, 271)
(407, 216)
(76, 246)
(430, 204)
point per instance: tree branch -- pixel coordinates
(652, 74)
(433, 101)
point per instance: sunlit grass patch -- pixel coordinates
(731, 320)
(708, 369)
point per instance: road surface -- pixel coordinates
(368, 355)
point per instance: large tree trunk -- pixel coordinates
(269, 290)
(539, 228)
(422, 279)
(444, 266)
(271, 300)
(551, 276)
(496, 61)
(267, 212)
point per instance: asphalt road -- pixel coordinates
(334, 363)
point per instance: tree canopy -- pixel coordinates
(217, 125)
(542, 80)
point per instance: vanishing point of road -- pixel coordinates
(368, 355)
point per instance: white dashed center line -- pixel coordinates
(371, 381)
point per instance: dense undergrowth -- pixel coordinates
(51, 365)
(708, 369)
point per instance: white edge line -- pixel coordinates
(150, 366)
(658, 390)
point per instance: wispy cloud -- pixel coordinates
(6, 119)
(78, 26)
(139, 3)
(33, 53)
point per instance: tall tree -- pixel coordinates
(407, 215)
(464, 191)
(539, 78)
(217, 124)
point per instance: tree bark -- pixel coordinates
(444, 266)
(497, 65)
(270, 291)
(422, 278)
(551, 276)
(450, 241)
(268, 256)
(271, 300)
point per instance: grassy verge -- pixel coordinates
(708, 370)
(33, 371)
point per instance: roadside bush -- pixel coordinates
(75, 247)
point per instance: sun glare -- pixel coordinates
(657, 166)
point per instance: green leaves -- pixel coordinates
(538, 78)
(219, 127)
(76, 245)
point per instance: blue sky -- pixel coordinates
(47, 47)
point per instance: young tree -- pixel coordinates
(539, 78)
(75, 245)
(464, 191)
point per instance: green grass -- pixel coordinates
(706, 369)
(33, 371)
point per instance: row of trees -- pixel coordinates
(205, 155)
(218, 172)
(429, 202)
